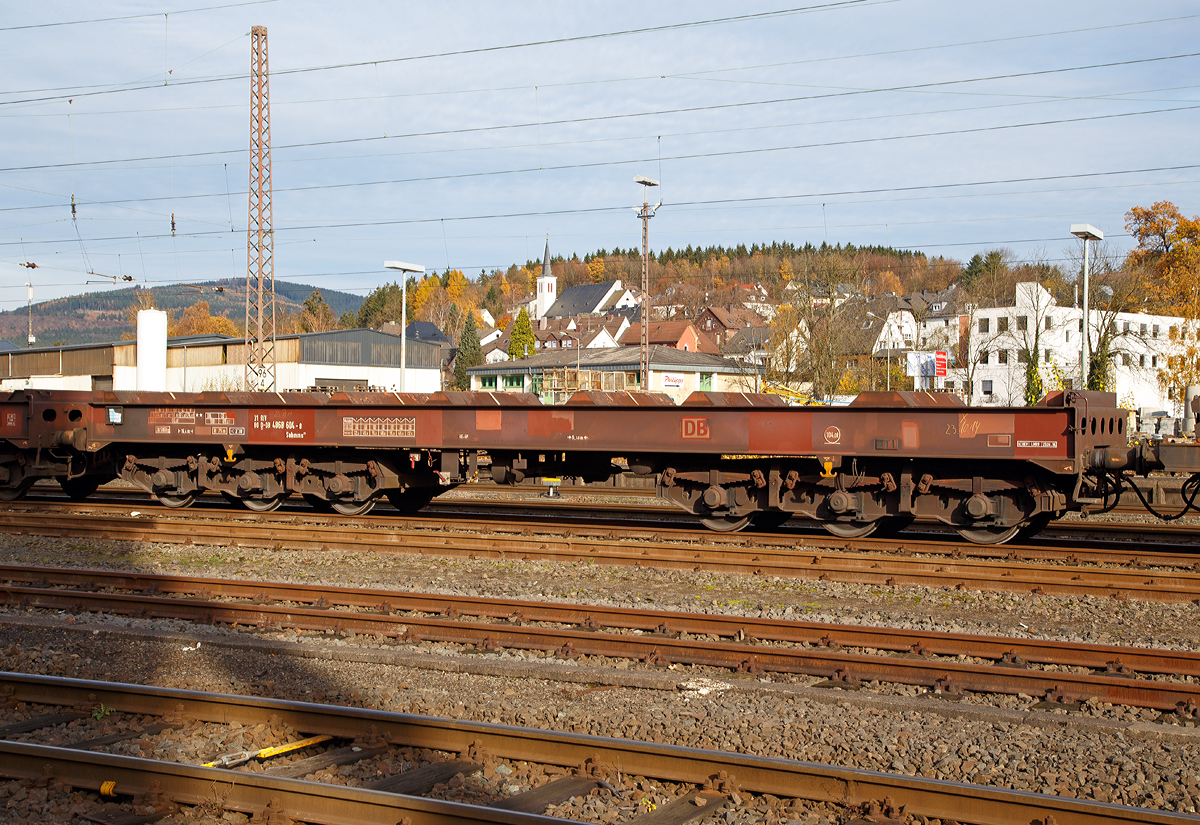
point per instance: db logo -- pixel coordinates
(694, 429)
(833, 435)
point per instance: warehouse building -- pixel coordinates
(339, 360)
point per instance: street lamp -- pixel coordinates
(1089, 233)
(646, 213)
(400, 266)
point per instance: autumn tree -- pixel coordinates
(522, 342)
(198, 320)
(142, 299)
(1169, 248)
(316, 315)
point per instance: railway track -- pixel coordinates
(640, 519)
(1141, 574)
(1061, 673)
(705, 783)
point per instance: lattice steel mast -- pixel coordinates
(260, 266)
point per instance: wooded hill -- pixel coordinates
(96, 317)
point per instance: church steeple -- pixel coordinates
(547, 286)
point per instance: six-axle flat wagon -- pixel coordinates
(729, 458)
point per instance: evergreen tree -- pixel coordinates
(972, 270)
(469, 353)
(522, 343)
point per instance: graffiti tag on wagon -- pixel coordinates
(375, 427)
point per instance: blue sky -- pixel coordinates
(460, 134)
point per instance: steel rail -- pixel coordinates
(848, 668)
(670, 524)
(249, 793)
(858, 568)
(1009, 650)
(648, 520)
(981, 805)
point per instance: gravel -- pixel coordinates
(1118, 755)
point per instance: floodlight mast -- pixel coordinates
(401, 266)
(646, 213)
(1088, 233)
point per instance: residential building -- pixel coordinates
(681, 335)
(1001, 339)
(556, 374)
(721, 324)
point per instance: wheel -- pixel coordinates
(990, 535)
(353, 508)
(16, 493)
(257, 505)
(411, 500)
(77, 489)
(769, 519)
(175, 502)
(725, 524)
(317, 503)
(263, 505)
(851, 529)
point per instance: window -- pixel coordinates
(1049, 322)
(1155, 331)
(1002, 324)
(1126, 328)
(1001, 356)
(1081, 325)
(1143, 329)
(1068, 384)
(1022, 356)
(1124, 359)
(949, 385)
(1047, 356)
(983, 356)
(987, 387)
(487, 382)
(1141, 360)
(1022, 322)
(514, 382)
(984, 324)
(705, 382)
(1154, 360)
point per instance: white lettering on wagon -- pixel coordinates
(1037, 445)
(379, 427)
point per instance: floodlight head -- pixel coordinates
(645, 181)
(656, 206)
(1087, 232)
(403, 267)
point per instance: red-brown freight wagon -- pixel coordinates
(729, 458)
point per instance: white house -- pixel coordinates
(1001, 337)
